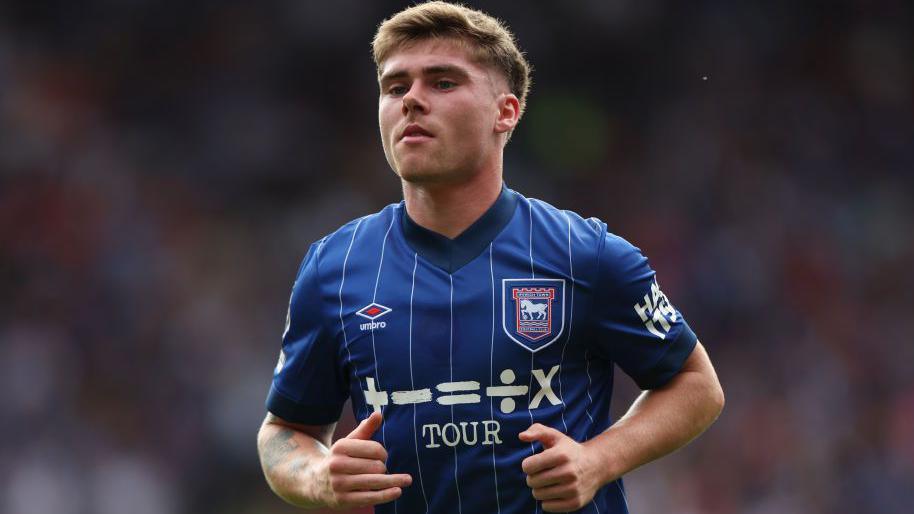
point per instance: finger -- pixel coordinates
(367, 427)
(345, 465)
(370, 482)
(554, 492)
(360, 449)
(564, 505)
(548, 436)
(552, 476)
(544, 460)
(369, 498)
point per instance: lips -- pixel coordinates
(415, 131)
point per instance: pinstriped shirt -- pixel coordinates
(464, 343)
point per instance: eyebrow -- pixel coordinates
(437, 69)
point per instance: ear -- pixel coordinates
(508, 113)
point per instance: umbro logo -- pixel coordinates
(372, 312)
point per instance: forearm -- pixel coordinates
(661, 420)
(291, 461)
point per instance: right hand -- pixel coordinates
(357, 475)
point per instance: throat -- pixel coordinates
(452, 252)
(449, 212)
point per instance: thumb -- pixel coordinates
(367, 427)
(548, 436)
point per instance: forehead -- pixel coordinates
(412, 58)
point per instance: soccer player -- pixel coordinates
(475, 330)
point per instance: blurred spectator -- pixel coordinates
(164, 166)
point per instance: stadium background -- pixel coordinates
(164, 166)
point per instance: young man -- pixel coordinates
(482, 326)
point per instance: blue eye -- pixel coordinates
(446, 84)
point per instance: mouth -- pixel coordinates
(414, 133)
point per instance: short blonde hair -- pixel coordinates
(486, 37)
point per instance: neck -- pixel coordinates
(449, 209)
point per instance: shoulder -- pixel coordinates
(566, 224)
(545, 212)
(590, 237)
(329, 254)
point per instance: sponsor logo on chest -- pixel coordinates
(372, 312)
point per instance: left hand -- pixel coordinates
(564, 475)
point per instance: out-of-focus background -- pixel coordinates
(164, 166)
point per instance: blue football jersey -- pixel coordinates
(464, 343)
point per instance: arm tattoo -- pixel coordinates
(278, 447)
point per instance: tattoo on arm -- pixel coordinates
(278, 447)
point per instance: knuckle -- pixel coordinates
(335, 464)
(345, 501)
(337, 482)
(339, 447)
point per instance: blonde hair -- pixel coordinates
(487, 38)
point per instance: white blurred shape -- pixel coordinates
(129, 484)
(40, 486)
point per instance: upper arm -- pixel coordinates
(698, 365)
(310, 384)
(636, 326)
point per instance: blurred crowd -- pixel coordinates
(164, 166)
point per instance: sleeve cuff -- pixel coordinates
(670, 363)
(289, 410)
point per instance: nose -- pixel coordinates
(413, 101)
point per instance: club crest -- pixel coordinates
(533, 311)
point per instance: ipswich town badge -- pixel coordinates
(533, 311)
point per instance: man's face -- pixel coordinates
(437, 112)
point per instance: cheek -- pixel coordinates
(385, 121)
(469, 124)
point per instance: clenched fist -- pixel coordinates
(354, 473)
(564, 475)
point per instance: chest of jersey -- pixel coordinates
(491, 340)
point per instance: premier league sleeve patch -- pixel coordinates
(533, 311)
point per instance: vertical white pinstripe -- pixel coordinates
(589, 384)
(374, 297)
(568, 336)
(491, 372)
(343, 281)
(624, 496)
(412, 382)
(530, 211)
(570, 321)
(530, 387)
(456, 483)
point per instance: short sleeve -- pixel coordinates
(636, 325)
(309, 386)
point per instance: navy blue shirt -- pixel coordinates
(464, 343)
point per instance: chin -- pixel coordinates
(422, 176)
(419, 171)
